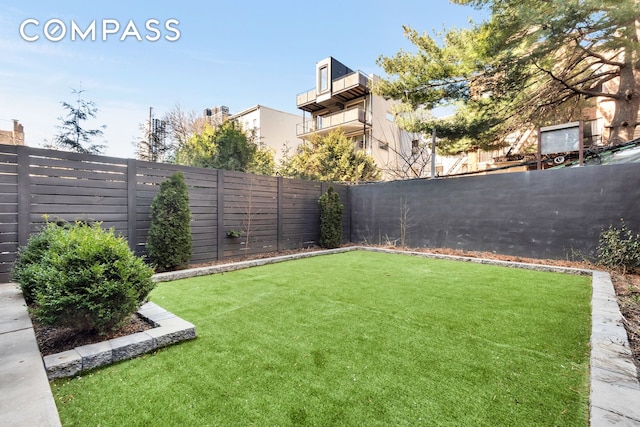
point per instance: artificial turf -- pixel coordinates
(357, 338)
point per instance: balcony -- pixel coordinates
(350, 86)
(344, 88)
(352, 121)
(307, 101)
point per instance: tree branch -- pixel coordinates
(590, 93)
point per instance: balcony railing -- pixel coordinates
(349, 81)
(306, 97)
(357, 78)
(351, 119)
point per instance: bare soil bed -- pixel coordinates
(627, 286)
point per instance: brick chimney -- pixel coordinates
(18, 133)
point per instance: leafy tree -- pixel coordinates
(73, 136)
(530, 62)
(169, 239)
(331, 157)
(263, 162)
(330, 219)
(199, 150)
(235, 151)
(226, 146)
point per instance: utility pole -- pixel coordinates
(149, 146)
(433, 153)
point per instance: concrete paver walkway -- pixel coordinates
(25, 395)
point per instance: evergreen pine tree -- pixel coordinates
(169, 239)
(330, 219)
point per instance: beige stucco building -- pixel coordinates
(273, 128)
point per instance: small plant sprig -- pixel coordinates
(234, 233)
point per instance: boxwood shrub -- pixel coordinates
(81, 276)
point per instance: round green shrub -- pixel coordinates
(169, 239)
(330, 219)
(81, 276)
(28, 270)
(619, 249)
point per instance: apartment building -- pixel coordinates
(342, 97)
(14, 136)
(216, 115)
(273, 128)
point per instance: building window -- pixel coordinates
(324, 78)
(415, 146)
(391, 117)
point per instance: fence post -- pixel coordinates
(220, 216)
(347, 205)
(24, 196)
(280, 202)
(132, 205)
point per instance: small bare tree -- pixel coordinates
(404, 221)
(410, 162)
(182, 125)
(249, 214)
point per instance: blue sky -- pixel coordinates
(236, 54)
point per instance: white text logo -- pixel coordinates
(56, 30)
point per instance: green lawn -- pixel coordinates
(357, 338)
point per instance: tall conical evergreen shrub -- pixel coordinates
(330, 219)
(169, 239)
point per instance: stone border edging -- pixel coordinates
(614, 388)
(223, 268)
(169, 329)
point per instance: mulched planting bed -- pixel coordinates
(52, 340)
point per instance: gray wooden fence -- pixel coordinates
(273, 213)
